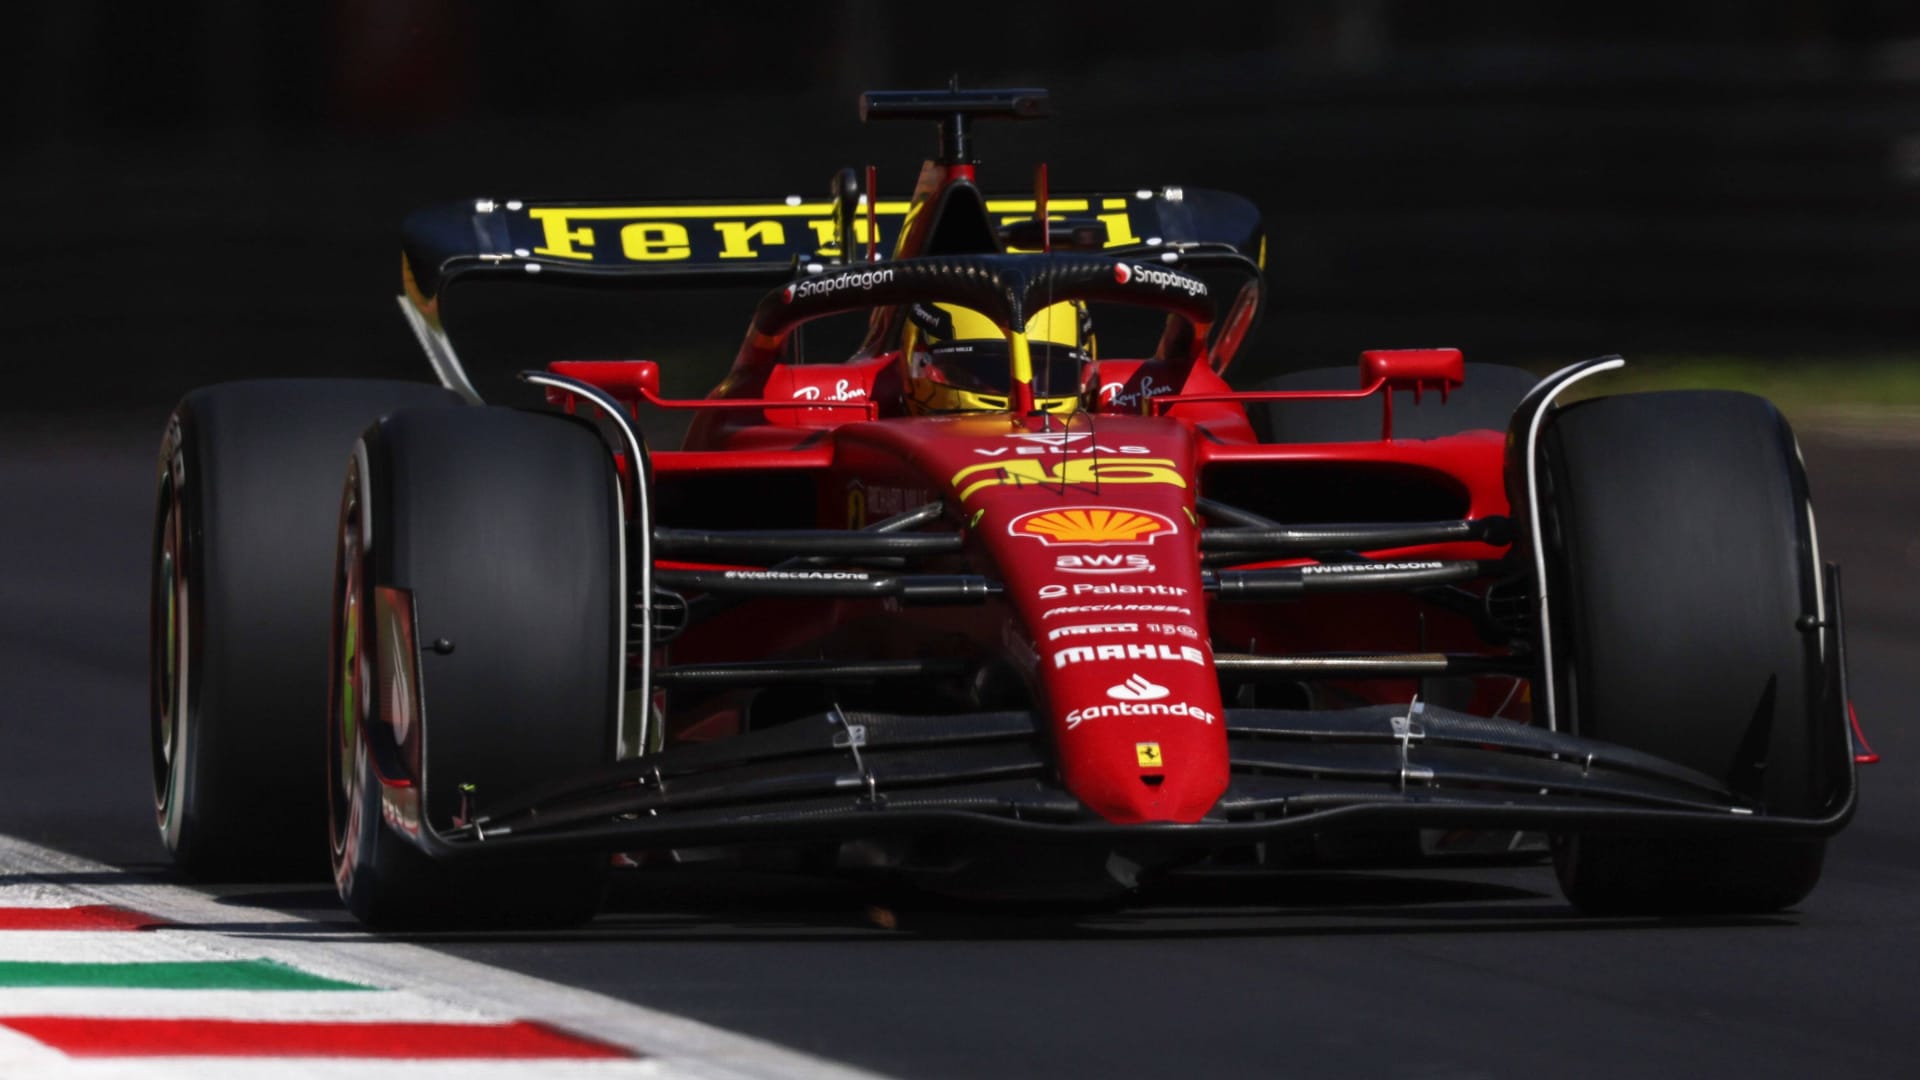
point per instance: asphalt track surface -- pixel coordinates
(1468, 972)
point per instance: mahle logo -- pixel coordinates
(1092, 525)
(1081, 654)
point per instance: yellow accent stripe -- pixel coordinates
(630, 213)
(971, 488)
(1028, 206)
(986, 467)
(1022, 359)
(884, 206)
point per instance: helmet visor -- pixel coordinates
(984, 366)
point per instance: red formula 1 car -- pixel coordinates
(998, 603)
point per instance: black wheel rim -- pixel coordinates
(347, 697)
(169, 646)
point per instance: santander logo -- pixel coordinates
(1137, 697)
(1137, 688)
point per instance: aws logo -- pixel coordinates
(1059, 473)
(1104, 564)
(1092, 525)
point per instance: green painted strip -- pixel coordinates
(206, 975)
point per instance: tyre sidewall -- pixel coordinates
(444, 503)
(1682, 566)
(1682, 560)
(248, 470)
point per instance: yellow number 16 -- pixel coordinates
(1076, 470)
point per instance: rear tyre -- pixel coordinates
(1485, 401)
(501, 530)
(1682, 561)
(248, 487)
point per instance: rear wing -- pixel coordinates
(747, 243)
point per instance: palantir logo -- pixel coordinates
(1137, 688)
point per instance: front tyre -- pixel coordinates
(1687, 597)
(476, 653)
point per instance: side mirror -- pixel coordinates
(630, 381)
(1413, 369)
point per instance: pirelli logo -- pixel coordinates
(759, 231)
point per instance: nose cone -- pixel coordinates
(1142, 750)
(1102, 567)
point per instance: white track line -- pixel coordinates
(326, 1006)
(101, 946)
(441, 986)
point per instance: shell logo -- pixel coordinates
(1092, 525)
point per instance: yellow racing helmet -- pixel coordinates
(957, 360)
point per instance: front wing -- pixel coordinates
(857, 775)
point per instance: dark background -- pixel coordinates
(198, 191)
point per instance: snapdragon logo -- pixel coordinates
(1129, 273)
(832, 283)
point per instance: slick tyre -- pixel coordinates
(476, 653)
(1484, 401)
(248, 487)
(1682, 567)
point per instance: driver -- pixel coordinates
(957, 359)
